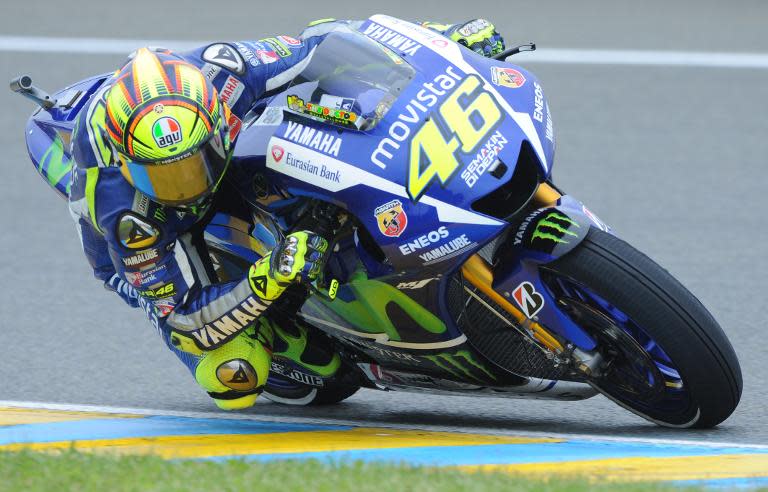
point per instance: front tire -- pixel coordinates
(660, 330)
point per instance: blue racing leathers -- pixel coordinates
(155, 256)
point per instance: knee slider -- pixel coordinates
(235, 373)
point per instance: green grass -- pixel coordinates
(29, 471)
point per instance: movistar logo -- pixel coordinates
(554, 227)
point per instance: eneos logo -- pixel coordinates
(166, 131)
(277, 152)
(391, 218)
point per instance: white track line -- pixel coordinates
(367, 423)
(111, 46)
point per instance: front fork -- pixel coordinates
(555, 227)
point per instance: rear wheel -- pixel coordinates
(664, 357)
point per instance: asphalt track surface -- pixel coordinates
(673, 157)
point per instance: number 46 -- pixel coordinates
(468, 116)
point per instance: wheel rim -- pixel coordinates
(639, 372)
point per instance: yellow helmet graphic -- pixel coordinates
(167, 128)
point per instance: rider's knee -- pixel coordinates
(235, 373)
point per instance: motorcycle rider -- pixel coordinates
(151, 150)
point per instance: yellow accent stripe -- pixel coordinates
(320, 21)
(91, 178)
(19, 416)
(278, 443)
(642, 469)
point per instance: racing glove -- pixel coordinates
(299, 258)
(479, 35)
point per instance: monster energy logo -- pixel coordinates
(455, 364)
(554, 227)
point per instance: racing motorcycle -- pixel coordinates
(457, 265)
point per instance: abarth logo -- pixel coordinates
(391, 218)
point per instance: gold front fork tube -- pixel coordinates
(478, 273)
(545, 196)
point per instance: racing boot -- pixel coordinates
(304, 361)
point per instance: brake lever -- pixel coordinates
(513, 51)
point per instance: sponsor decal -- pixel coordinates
(538, 102)
(313, 138)
(231, 90)
(524, 226)
(552, 230)
(164, 307)
(140, 278)
(530, 301)
(296, 375)
(278, 47)
(391, 354)
(413, 114)
(160, 215)
(337, 102)
(141, 258)
(484, 159)
(452, 248)
(460, 364)
(135, 232)
(237, 374)
(225, 56)
(166, 131)
(306, 165)
(277, 153)
(223, 328)
(167, 290)
(392, 39)
(271, 116)
(391, 218)
(343, 117)
(507, 77)
(248, 54)
(258, 283)
(417, 284)
(427, 239)
(549, 130)
(140, 203)
(210, 71)
(235, 125)
(289, 41)
(440, 43)
(267, 56)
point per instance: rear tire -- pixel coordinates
(672, 317)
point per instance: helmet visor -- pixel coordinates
(184, 180)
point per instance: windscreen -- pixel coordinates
(350, 81)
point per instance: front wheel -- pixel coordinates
(662, 355)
